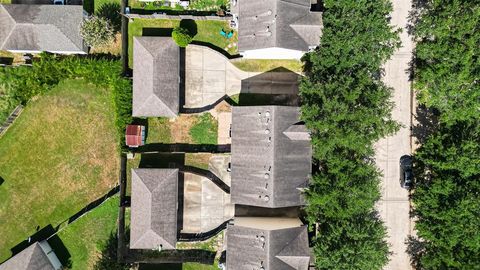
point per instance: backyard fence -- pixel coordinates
(10, 119)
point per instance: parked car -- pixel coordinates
(406, 173)
(59, 2)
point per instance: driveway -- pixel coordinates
(209, 76)
(394, 205)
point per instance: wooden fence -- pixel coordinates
(11, 118)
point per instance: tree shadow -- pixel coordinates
(427, 119)
(157, 32)
(1, 180)
(108, 256)
(418, 7)
(190, 25)
(39, 235)
(158, 266)
(111, 12)
(8, 61)
(415, 249)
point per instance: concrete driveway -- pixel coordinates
(394, 205)
(205, 206)
(209, 76)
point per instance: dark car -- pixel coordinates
(406, 173)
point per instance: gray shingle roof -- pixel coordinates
(154, 208)
(270, 162)
(156, 77)
(53, 28)
(286, 24)
(31, 258)
(283, 249)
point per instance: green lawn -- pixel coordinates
(158, 130)
(204, 130)
(86, 237)
(207, 31)
(264, 65)
(59, 155)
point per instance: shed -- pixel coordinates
(135, 135)
(38, 256)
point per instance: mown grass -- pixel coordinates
(205, 130)
(207, 32)
(59, 155)
(159, 130)
(264, 65)
(85, 238)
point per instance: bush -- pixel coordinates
(111, 12)
(182, 36)
(96, 31)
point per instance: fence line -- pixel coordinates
(10, 119)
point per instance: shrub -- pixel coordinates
(182, 36)
(96, 31)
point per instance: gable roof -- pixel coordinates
(252, 248)
(271, 156)
(53, 28)
(154, 208)
(285, 24)
(156, 81)
(31, 258)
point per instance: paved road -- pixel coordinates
(394, 205)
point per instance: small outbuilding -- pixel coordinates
(38, 256)
(135, 135)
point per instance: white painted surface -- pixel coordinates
(394, 205)
(272, 53)
(56, 52)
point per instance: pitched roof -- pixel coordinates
(154, 208)
(31, 258)
(53, 28)
(271, 156)
(156, 71)
(135, 135)
(251, 248)
(286, 24)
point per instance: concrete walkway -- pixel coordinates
(209, 76)
(394, 205)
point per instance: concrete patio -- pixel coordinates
(209, 76)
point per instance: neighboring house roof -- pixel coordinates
(156, 77)
(53, 28)
(285, 24)
(31, 258)
(135, 135)
(251, 248)
(154, 208)
(271, 156)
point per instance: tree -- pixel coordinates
(182, 36)
(447, 195)
(346, 107)
(446, 58)
(96, 31)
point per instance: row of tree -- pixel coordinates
(447, 165)
(346, 106)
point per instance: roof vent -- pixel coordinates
(262, 238)
(267, 114)
(267, 131)
(266, 198)
(266, 176)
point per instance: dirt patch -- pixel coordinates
(199, 160)
(114, 47)
(180, 128)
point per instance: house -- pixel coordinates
(156, 77)
(37, 28)
(135, 135)
(276, 29)
(271, 157)
(154, 206)
(267, 244)
(38, 256)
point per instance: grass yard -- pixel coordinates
(264, 65)
(59, 155)
(204, 130)
(207, 31)
(85, 238)
(159, 130)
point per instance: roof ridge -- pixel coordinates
(15, 25)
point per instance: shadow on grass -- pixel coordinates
(39, 235)
(250, 99)
(108, 257)
(166, 266)
(190, 25)
(61, 251)
(157, 32)
(111, 12)
(1, 180)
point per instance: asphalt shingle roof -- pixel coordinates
(282, 249)
(285, 24)
(271, 156)
(154, 208)
(156, 77)
(53, 28)
(31, 258)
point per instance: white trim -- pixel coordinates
(272, 53)
(56, 52)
